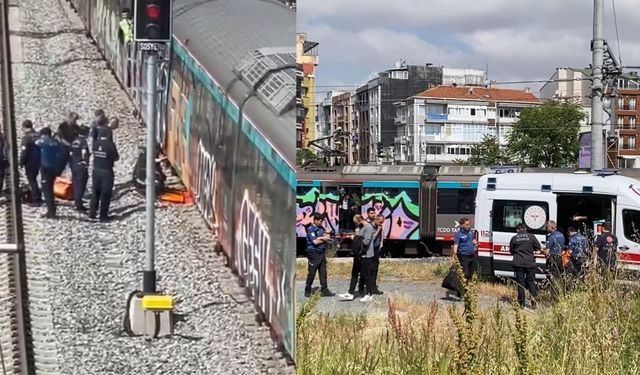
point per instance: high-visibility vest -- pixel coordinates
(127, 30)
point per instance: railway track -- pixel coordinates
(26, 326)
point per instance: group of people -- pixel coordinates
(48, 155)
(562, 260)
(367, 244)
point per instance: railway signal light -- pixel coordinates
(152, 20)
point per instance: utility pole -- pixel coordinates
(597, 49)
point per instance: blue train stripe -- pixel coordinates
(391, 184)
(456, 185)
(280, 165)
(309, 183)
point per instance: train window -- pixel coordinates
(508, 214)
(456, 201)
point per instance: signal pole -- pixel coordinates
(597, 49)
(149, 273)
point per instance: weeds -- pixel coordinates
(593, 329)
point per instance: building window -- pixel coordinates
(473, 111)
(632, 122)
(632, 104)
(632, 143)
(620, 121)
(620, 102)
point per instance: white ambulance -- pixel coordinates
(505, 200)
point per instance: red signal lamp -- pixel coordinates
(153, 11)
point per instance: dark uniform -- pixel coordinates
(607, 244)
(49, 158)
(105, 154)
(522, 246)
(80, 166)
(317, 260)
(30, 161)
(578, 246)
(97, 125)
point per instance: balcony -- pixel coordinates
(436, 117)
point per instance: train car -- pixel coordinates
(230, 106)
(455, 192)
(393, 191)
(422, 204)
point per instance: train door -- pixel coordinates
(510, 208)
(350, 201)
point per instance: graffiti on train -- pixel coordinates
(402, 215)
(264, 269)
(314, 201)
(203, 185)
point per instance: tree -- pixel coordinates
(546, 136)
(305, 157)
(487, 152)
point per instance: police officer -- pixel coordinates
(72, 123)
(522, 246)
(64, 136)
(317, 239)
(553, 248)
(80, 166)
(578, 247)
(100, 121)
(105, 154)
(464, 248)
(607, 245)
(49, 158)
(30, 160)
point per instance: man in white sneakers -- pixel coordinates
(369, 233)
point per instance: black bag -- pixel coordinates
(451, 280)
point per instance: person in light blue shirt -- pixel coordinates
(464, 247)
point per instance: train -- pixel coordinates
(225, 121)
(422, 204)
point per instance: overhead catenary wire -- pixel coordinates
(615, 21)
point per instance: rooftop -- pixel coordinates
(478, 93)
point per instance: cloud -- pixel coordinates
(518, 39)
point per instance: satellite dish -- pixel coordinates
(398, 64)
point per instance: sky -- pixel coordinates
(517, 39)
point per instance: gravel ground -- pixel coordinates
(91, 267)
(419, 292)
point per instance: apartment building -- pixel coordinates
(374, 109)
(441, 124)
(307, 60)
(623, 150)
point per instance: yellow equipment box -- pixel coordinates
(157, 302)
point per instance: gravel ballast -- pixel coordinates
(91, 267)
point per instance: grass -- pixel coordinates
(591, 329)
